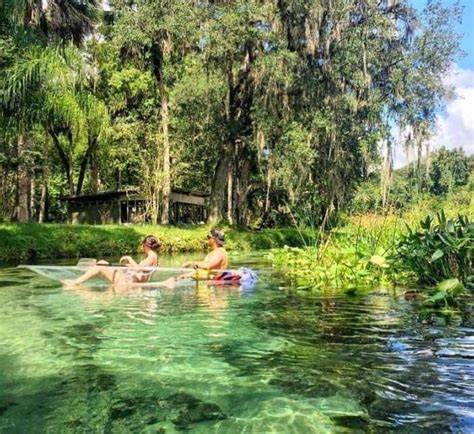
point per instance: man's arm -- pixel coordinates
(213, 261)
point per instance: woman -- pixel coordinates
(127, 276)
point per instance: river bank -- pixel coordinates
(31, 242)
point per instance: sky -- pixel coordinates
(455, 126)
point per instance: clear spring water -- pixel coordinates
(219, 360)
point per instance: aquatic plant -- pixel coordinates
(353, 257)
(371, 250)
(446, 292)
(440, 249)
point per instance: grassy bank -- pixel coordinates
(30, 242)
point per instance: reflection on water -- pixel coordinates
(215, 359)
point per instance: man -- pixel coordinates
(215, 265)
(217, 259)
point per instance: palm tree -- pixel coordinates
(44, 82)
(64, 20)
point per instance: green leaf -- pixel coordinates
(449, 285)
(436, 298)
(437, 255)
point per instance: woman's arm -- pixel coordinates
(129, 261)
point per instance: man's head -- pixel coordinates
(216, 237)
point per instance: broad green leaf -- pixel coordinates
(437, 255)
(436, 298)
(449, 285)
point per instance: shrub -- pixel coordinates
(440, 250)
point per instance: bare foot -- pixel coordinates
(169, 283)
(70, 284)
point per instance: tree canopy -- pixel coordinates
(279, 109)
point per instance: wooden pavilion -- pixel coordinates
(127, 206)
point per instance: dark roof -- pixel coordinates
(111, 195)
(104, 195)
(190, 192)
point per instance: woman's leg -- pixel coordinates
(111, 274)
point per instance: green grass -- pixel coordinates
(30, 241)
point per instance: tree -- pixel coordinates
(279, 109)
(157, 34)
(39, 76)
(449, 169)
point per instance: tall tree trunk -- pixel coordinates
(64, 160)
(31, 197)
(3, 192)
(22, 184)
(93, 142)
(239, 126)
(157, 66)
(242, 189)
(217, 199)
(95, 173)
(230, 191)
(221, 173)
(269, 186)
(44, 192)
(386, 173)
(166, 187)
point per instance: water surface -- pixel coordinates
(205, 359)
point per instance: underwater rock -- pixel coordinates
(143, 406)
(5, 283)
(193, 410)
(305, 384)
(183, 398)
(201, 412)
(74, 423)
(368, 397)
(5, 407)
(352, 422)
(121, 410)
(152, 420)
(90, 378)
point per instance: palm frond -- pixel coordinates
(96, 114)
(72, 20)
(41, 68)
(63, 108)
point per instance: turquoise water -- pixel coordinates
(220, 360)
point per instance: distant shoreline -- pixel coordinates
(29, 242)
